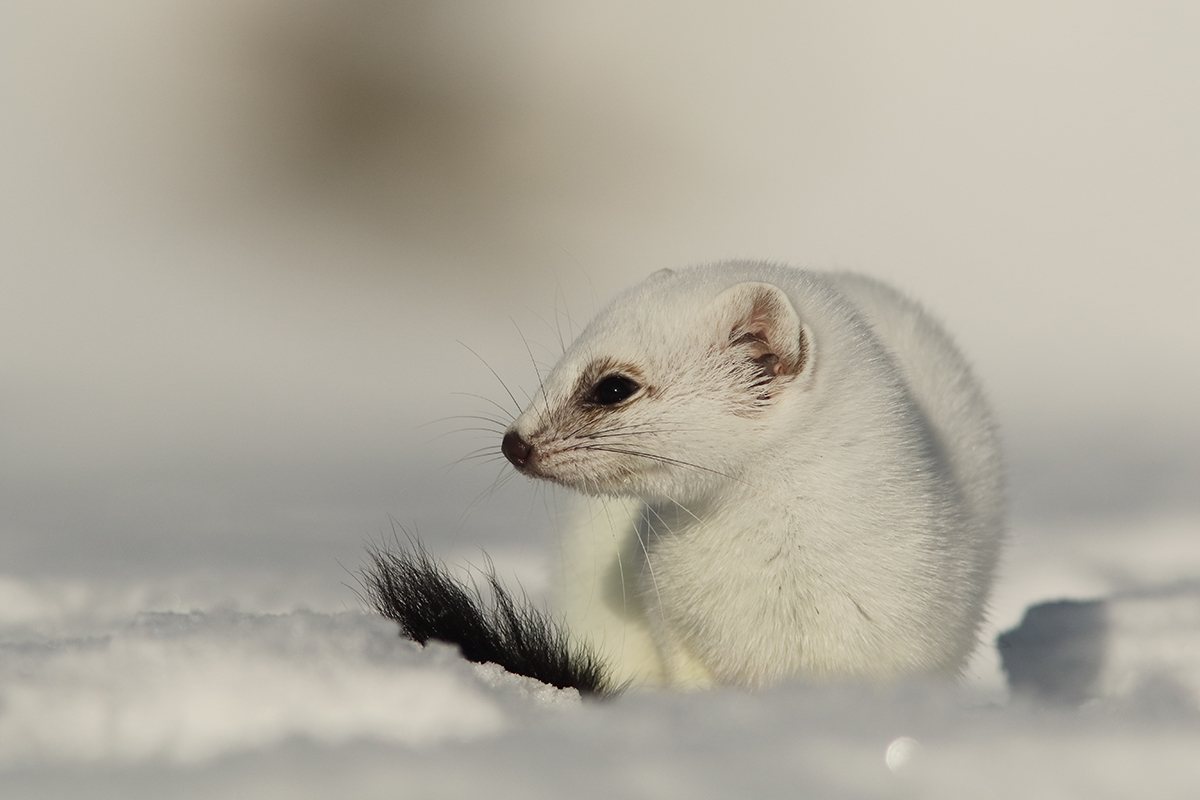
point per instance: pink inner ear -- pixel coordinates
(756, 343)
(770, 330)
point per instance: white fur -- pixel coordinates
(842, 519)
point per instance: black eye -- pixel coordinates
(612, 389)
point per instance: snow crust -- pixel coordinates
(313, 705)
(214, 703)
(189, 687)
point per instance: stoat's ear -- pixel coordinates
(658, 276)
(761, 318)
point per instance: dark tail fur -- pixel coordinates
(417, 592)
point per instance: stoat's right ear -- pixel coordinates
(761, 317)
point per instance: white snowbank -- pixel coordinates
(786, 742)
(187, 687)
(305, 704)
(98, 701)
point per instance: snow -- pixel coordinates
(265, 716)
(240, 240)
(190, 687)
(219, 702)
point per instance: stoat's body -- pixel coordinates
(804, 480)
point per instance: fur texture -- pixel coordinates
(408, 586)
(795, 474)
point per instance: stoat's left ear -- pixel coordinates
(761, 318)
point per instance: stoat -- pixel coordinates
(806, 480)
(794, 475)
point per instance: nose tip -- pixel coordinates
(516, 449)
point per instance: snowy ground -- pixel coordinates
(220, 703)
(239, 242)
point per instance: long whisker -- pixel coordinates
(700, 523)
(489, 368)
(620, 570)
(536, 369)
(617, 432)
(470, 429)
(508, 414)
(492, 433)
(483, 451)
(477, 458)
(647, 508)
(661, 459)
(554, 329)
(502, 477)
(558, 315)
(483, 417)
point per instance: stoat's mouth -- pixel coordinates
(573, 467)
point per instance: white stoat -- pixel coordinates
(804, 480)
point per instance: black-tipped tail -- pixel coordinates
(428, 603)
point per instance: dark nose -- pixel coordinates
(516, 449)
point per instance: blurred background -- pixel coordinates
(252, 251)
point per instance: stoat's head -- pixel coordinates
(670, 390)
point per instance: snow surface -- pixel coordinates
(221, 703)
(240, 239)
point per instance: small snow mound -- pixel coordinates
(525, 689)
